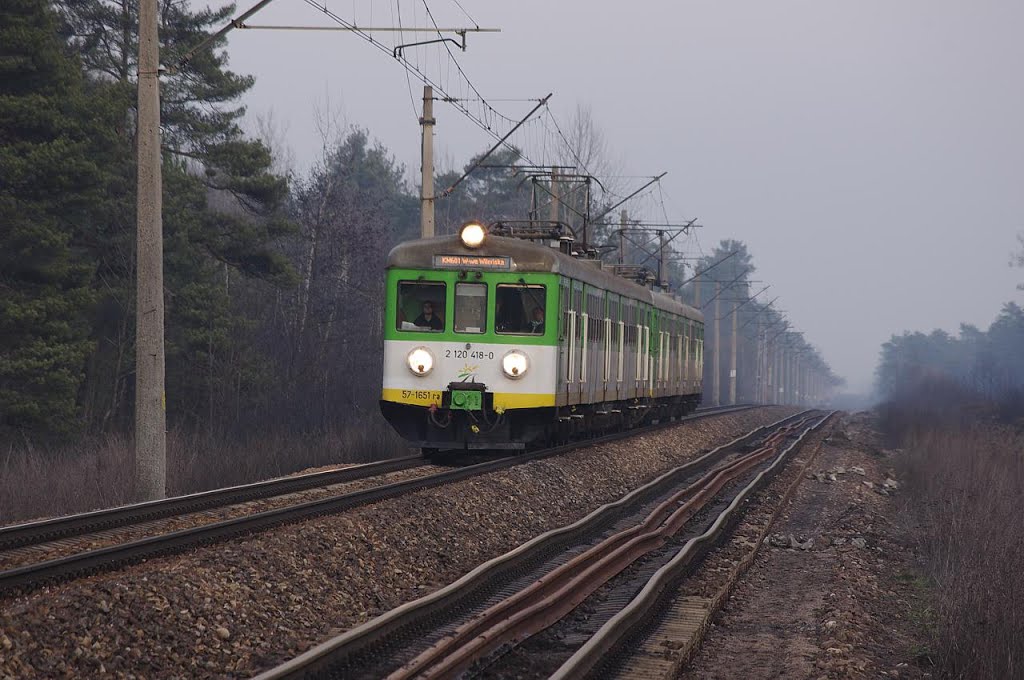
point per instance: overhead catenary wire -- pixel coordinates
(744, 302)
(408, 78)
(459, 5)
(487, 119)
(726, 287)
(479, 120)
(455, 61)
(572, 151)
(493, 148)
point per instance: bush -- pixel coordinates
(964, 474)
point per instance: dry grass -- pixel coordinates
(965, 477)
(97, 472)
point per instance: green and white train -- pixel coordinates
(506, 341)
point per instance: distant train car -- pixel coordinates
(505, 341)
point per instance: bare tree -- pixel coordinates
(314, 202)
(274, 134)
(586, 148)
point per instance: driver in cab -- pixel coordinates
(536, 324)
(428, 319)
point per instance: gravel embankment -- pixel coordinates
(70, 546)
(234, 608)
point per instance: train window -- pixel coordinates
(420, 306)
(563, 301)
(520, 309)
(470, 307)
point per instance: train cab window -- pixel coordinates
(520, 309)
(470, 307)
(420, 306)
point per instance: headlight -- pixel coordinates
(420, 361)
(514, 364)
(472, 235)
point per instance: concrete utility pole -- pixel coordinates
(622, 237)
(555, 213)
(784, 376)
(662, 270)
(803, 381)
(790, 389)
(732, 356)
(761, 365)
(715, 375)
(794, 372)
(766, 368)
(427, 165)
(696, 293)
(150, 401)
(783, 384)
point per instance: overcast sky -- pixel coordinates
(869, 152)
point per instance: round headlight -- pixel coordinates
(420, 361)
(514, 364)
(472, 235)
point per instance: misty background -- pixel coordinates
(869, 153)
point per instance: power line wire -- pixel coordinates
(427, 80)
(459, 5)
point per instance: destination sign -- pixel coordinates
(472, 262)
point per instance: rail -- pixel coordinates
(354, 649)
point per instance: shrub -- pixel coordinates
(964, 474)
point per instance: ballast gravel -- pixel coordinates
(70, 546)
(235, 608)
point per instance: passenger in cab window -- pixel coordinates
(428, 319)
(537, 322)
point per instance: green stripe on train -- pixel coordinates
(492, 279)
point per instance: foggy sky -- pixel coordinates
(869, 153)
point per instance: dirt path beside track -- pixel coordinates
(831, 592)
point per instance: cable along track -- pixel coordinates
(89, 561)
(507, 599)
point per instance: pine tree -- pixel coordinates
(51, 191)
(222, 216)
(199, 123)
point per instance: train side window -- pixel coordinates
(470, 307)
(420, 306)
(520, 309)
(563, 301)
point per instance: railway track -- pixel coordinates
(33, 533)
(18, 542)
(504, 601)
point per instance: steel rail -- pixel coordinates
(32, 533)
(554, 595)
(609, 639)
(30, 575)
(344, 654)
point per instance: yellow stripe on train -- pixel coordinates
(502, 400)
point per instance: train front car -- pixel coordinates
(470, 341)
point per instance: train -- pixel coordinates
(507, 336)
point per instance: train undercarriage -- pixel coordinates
(442, 428)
